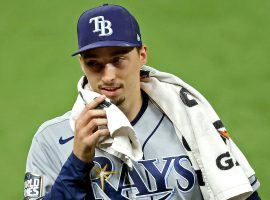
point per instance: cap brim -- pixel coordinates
(105, 44)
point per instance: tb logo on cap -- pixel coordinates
(101, 25)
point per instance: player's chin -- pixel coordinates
(118, 101)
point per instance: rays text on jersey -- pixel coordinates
(130, 183)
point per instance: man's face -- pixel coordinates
(115, 72)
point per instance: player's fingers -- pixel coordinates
(95, 123)
(93, 104)
(97, 136)
(84, 119)
(92, 126)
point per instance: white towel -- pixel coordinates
(195, 124)
(122, 142)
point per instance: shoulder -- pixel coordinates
(46, 151)
(54, 127)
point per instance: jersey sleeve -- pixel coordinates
(73, 181)
(44, 181)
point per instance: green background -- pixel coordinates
(220, 47)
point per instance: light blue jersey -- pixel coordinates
(164, 173)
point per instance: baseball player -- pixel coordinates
(65, 161)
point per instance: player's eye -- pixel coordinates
(93, 65)
(117, 60)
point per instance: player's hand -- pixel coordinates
(87, 133)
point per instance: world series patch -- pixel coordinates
(32, 186)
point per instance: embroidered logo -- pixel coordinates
(138, 38)
(64, 141)
(103, 174)
(102, 26)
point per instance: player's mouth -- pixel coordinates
(110, 91)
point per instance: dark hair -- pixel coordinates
(138, 48)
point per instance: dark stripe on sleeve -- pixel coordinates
(255, 181)
(218, 124)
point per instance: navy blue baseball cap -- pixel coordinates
(107, 26)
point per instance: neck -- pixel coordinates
(131, 110)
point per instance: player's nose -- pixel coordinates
(109, 73)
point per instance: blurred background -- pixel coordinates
(219, 47)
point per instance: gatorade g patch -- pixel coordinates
(32, 186)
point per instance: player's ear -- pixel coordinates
(143, 54)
